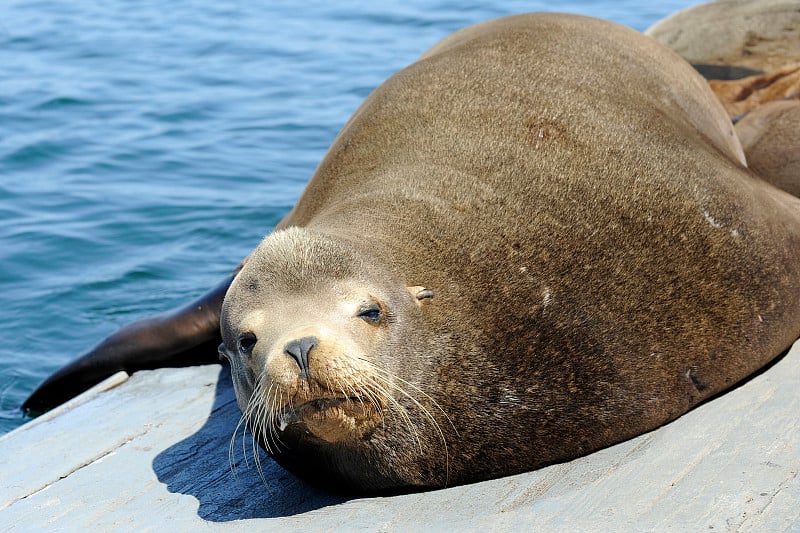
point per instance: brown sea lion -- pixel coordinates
(770, 137)
(748, 49)
(537, 241)
(512, 255)
(760, 34)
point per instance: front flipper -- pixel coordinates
(183, 337)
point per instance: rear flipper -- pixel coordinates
(184, 337)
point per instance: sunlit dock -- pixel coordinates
(151, 452)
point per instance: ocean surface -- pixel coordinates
(146, 147)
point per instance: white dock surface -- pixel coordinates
(152, 455)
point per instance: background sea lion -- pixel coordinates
(748, 49)
(770, 136)
(539, 257)
(760, 34)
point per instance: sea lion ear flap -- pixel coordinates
(420, 294)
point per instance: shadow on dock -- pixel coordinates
(199, 466)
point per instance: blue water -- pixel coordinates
(146, 147)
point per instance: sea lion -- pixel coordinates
(537, 241)
(749, 50)
(511, 257)
(770, 137)
(763, 35)
(760, 34)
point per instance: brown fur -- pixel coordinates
(770, 137)
(760, 34)
(600, 262)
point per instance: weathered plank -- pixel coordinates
(152, 454)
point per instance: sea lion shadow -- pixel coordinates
(199, 466)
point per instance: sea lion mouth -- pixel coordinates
(334, 419)
(323, 407)
(320, 404)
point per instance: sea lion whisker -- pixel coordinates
(393, 377)
(355, 393)
(232, 445)
(280, 423)
(373, 396)
(242, 423)
(259, 430)
(266, 415)
(247, 417)
(401, 410)
(389, 378)
(254, 420)
(271, 437)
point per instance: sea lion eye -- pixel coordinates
(246, 342)
(370, 313)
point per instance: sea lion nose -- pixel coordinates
(299, 349)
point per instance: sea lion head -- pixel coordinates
(312, 327)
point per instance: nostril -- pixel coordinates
(299, 349)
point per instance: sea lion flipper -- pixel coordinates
(186, 336)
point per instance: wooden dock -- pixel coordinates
(151, 453)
